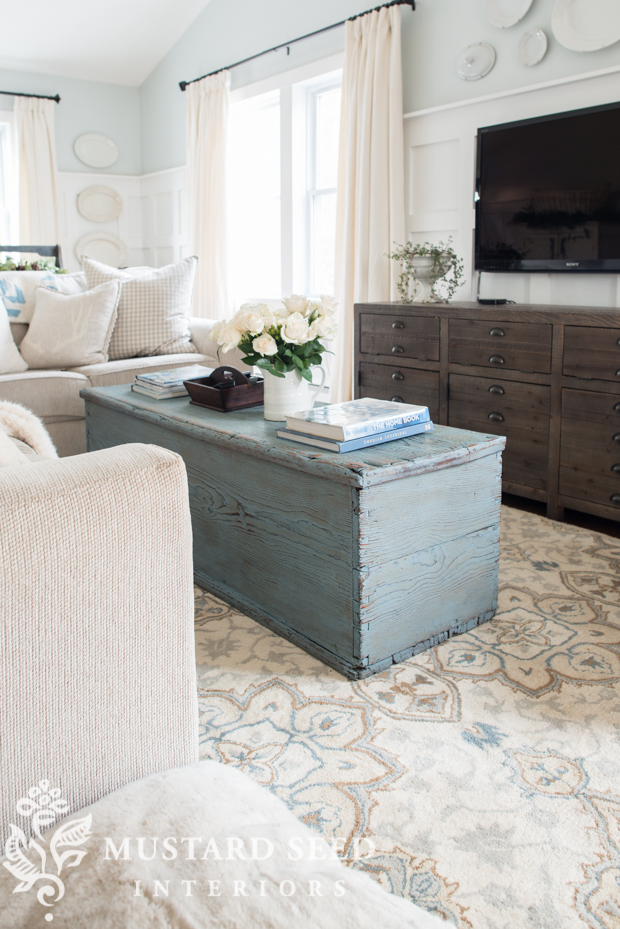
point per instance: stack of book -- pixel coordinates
(159, 385)
(347, 427)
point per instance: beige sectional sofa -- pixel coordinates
(54, 395)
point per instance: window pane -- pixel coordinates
(323, 242)
(327, 130)
(254, 198)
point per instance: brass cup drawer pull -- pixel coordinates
(397, 350)
(496, 360)
(397, 324)
(496, 389)
(398, 376)
(615, 498)
(496, 417)
(397, 400)
(496, 331)
(616, 468)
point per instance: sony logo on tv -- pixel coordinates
(572, 264)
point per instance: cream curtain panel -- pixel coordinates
(39, 200)
(207, 123)
(371, 198)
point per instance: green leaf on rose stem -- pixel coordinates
(314, 360)
(288, 353)
(264, 363)
(309, 348)
(278, 363)
(307, 374)
(297, 360)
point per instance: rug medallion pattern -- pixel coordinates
(486, 771)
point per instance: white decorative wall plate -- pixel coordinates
(533, 47)
(95, 150)
(99, 204)
(475, 62)
(586, 25)
(103, 246)
(505, 13)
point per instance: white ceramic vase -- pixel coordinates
(289, 394)
(427, 273)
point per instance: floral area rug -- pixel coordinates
(486, 771)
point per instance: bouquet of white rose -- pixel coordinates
(283, 339)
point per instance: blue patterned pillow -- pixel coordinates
(17, 292)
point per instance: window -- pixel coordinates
(282, 171)
(8, 181)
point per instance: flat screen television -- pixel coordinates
(548, 193)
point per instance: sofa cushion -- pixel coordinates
(153, 310)
(11, 361)
(17, 292)
(123, 372)
(69, 330)
(51, 395)
(18, 331)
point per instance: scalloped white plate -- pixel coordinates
(475, 62)
(99, 204)
(102, 246)
(586, 25)
(95, 150)
(533, 47)
(505, 13)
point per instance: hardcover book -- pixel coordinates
(353, 445)
(356, 418)
(174, 376)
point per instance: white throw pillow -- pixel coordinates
(71, 330)
(17, 292)
(75, 283)
(153, 310)
(11, 362)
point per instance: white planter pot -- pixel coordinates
(289, 394)
(427, 273)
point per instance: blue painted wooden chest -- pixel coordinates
(362, 559)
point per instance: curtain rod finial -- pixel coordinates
(183, 84)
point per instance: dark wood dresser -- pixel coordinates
(547, 378)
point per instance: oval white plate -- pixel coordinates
(99, 204)
(505, 13)
(95, 150)
(102, 246)
(533, 47)
(475, 62)
(586, 25)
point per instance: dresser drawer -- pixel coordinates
(516, 346)
(387, 382)
(592, 353)
(400, 336)
(516, 410)
(590, 446)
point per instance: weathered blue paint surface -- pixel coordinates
(362, 559)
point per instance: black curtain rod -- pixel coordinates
(14, 93)
(411, 3)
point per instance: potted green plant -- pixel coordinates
(423, 267)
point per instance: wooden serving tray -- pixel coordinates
(203, 391)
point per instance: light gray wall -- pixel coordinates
(85, 106)
(433, 37)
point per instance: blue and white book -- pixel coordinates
(353, 445)
(172, 377)
(356, 418)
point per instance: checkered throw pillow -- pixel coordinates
(153, 310)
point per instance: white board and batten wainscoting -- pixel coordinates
(440, 167)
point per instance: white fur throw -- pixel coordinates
(16, 422)
(165, 853)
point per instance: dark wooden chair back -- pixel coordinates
(46, 251)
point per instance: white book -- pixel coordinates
(356, 418)
(160, 394)
(173, 376)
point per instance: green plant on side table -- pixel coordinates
(423, 267)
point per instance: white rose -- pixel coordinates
(269, 315)
(265, 345)
(296, 304)
(295, 329)
(229, 336)
(328, 304)
(323, 327)
(215, 332)
(249, 319)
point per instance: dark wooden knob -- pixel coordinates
(496, 417)
(397, 376)
(397, 349)
(496, 360)
(496, 389)
(618, 373)
(617, 341)
(615, 498)
(616, 468)
(617, 408)
(397, 324)
(397, 400)
(496, 331)
(616, 438)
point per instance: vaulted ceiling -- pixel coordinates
(116, 41)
